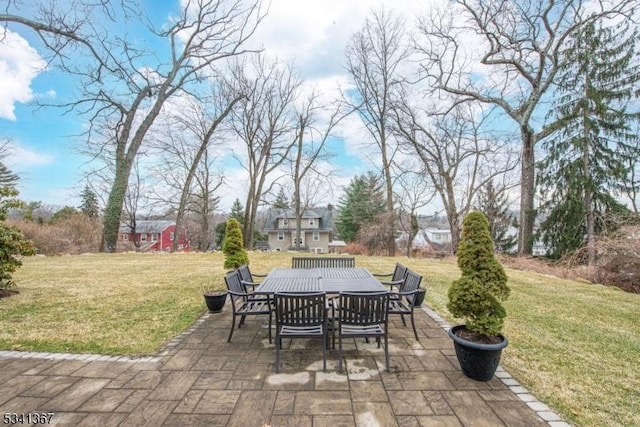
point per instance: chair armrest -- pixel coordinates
(252, 284)
(239, 294)
(383, 274)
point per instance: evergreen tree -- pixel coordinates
(89, 202)
(282, 201)
(233, 247)
(237, 212)
(495, 205)
(478, 294)
(12, 241)
(7, 178)
(598, 83)
(362, 202)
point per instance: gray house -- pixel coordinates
(316, 229)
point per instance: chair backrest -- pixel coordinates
(308, 309)
(363, 308)
(411, 283)
(245, 273)
(323, 262)
(399, 272)
(234, 283)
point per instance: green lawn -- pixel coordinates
(575, 346)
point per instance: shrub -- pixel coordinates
(232, 246)
(13, 245)
(477, 295)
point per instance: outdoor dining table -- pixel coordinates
(329, 280)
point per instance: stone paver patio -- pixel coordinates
(200, 379)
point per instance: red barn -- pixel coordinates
(152, 236)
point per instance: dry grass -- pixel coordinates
(576, 346)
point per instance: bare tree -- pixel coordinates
(264, 122)
(374, 57)
(310, 147)
(124, 87)
(197, 122)
(413, 191)
(519, 58)
(455, 154)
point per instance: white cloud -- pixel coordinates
(19, 65)
(21, 157)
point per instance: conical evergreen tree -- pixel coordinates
(598, 81)
(89, 202)
(495, 205)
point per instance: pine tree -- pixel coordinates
(282, 201)
(362, 202)
(586, 160)
(89, 202)
(7, 178)
(237, 212)
(495, 205)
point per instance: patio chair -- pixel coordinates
(363, 315)
(323, 262)
(302, 315)
(245, 304)
(247, 277)
(403, 301)
(397, 276)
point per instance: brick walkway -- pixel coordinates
(200, 379)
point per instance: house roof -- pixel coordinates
(323, 214)
(148, 226)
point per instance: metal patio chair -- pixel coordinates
(396, 277)
(244, 303)
(403, 301)
(364, 315)
(301, 315)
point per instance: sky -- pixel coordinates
(313, 33)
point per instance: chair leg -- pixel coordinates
(278, 344)
(413, 325)
(324, 352)
(386, 350)
(340, 352)
(233, 324)
(269, 327)
(404, 323)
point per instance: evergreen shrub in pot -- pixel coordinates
(477, 297)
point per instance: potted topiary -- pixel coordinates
(476, 297)
(232, 246)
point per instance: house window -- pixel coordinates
(316, 236)
(171, 235)
(285, 222)
(154, 237)
(311, 222)
(280, 235)
(125, 236)
(143, 237)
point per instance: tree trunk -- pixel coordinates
(113, 209)
(527, 192)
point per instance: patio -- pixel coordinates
(200, 379)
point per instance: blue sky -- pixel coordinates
(313, 32)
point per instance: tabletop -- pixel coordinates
(329, 280)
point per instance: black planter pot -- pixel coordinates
(215, 301)
(419, 298)
(478, 361)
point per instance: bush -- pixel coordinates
(13, 244)
(477, 295)
(232, 246)
(73, 235)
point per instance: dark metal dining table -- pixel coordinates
(329, 280)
